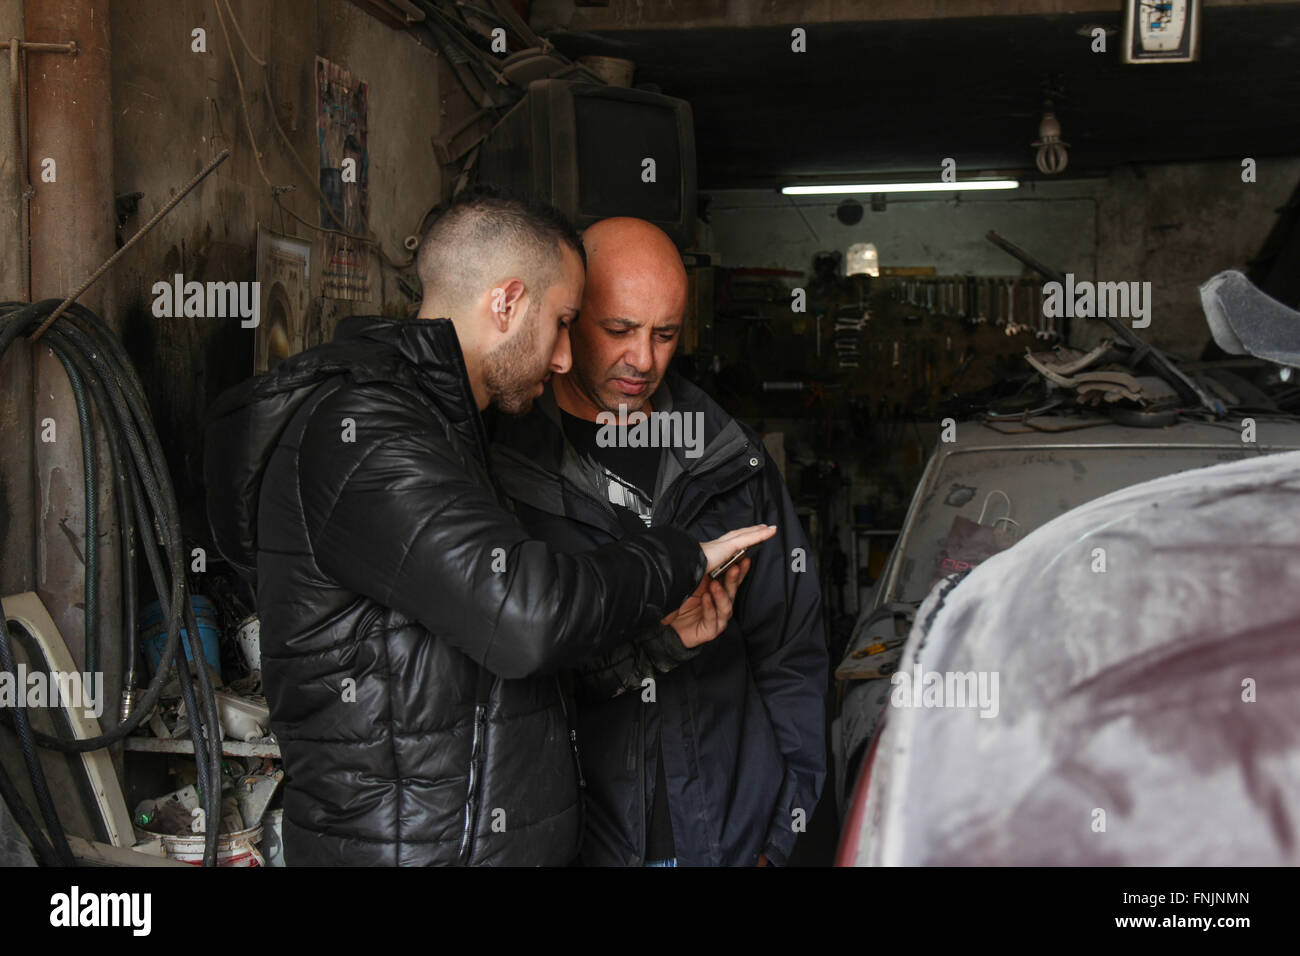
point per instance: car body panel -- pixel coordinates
(1044, 474)
(1148, 710)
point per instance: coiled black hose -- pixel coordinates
(32, 759)
(90, 481)
(41, 848)
(85, 345)
(126, 519)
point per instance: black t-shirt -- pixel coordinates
(630, 473)
(629, 477)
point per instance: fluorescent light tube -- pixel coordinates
(931, 187)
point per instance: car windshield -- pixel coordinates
(1017, 490)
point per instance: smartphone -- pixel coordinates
(721, 569)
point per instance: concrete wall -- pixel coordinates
(175, 109)
(1176, 225)
(1172, 225)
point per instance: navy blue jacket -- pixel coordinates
(742, 721)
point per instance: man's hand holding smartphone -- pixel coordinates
(707, 612)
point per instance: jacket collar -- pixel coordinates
(535, 461)
(430, 348)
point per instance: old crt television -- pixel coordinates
(581, 147)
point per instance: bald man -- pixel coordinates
(708, 756)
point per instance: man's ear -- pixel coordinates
(505, 303)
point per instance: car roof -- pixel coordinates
(970, 435)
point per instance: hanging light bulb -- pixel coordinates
(1052, 151)
(862, 260)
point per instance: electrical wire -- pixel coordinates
(240, 33)
(309, 177)
(239, 81)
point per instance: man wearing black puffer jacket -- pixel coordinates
(407, 620)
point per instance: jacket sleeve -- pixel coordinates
(398, 515)
(657, 651)
(779, 612)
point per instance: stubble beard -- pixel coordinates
(508, 370)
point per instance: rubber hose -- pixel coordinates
(125, 513)
(41, 848)
(82, 329)
(206, 743)
(197, 734)
(40, 786)
(84, 325)
(126, 520)
(89, 467)
(155, 688)
(87, 340)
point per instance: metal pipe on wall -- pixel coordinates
(20, 166)
(70, 156)
(17, 490)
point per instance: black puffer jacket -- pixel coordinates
(353, 482)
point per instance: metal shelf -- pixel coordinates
(231, 748)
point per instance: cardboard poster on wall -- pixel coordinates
(284, 277)
(344, 180)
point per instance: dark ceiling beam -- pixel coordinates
(670, 14)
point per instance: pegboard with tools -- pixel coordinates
(1012, 304)
(901, 345)
(907, 343)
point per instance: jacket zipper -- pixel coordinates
(639, 734)
(471, 795)
(577, 765)
(573, 735)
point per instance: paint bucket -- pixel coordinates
(273, 837)
(248, 638)
(153, 634)
(237, 849)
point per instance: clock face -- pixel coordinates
(1161, 24)
(1162, 31)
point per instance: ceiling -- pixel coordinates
(890, 97)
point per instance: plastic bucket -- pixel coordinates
(153, 634)
(237, 849)
(273, 839)
(248, 637)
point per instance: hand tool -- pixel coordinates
(879, 647)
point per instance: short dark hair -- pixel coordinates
(484, 232)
